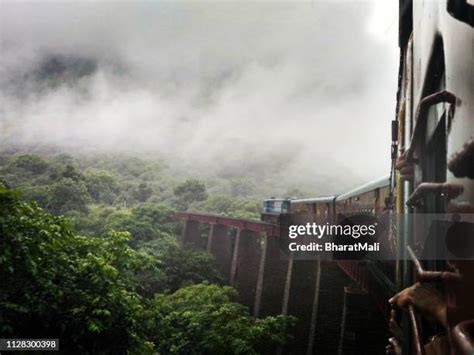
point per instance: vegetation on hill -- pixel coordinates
(89, 254)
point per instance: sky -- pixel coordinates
(306, 88)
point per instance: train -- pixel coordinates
(432, 173)
(369, 199)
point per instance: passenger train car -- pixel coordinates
(317, 209)
(369, 199)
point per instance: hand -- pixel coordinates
(394, 348)
(405, 168)
(393, 326)
(426, 300)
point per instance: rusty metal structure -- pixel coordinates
(432, 173)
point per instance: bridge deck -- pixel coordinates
(253, 225)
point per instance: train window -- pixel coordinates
(276, 206)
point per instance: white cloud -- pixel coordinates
(215, 84)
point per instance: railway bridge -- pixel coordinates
(339, 305)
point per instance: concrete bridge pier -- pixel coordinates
(245, 266)
(219, 245)
(191, 236)
(301, 287)
(363, 328)
(332, 281)
(272, 278)
(354, 322)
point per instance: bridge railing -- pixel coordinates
(253, 225)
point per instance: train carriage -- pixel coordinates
(370, 199)
(318, 209)
(433, 156)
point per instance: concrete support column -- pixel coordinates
(354, 322)
(235, 255)
(301, 283)
(314, 309)
(286, 292)
(246, 265)
(273, 273)
(210, 237)
(314, 294)
(219, 245)
(191, 236)
(330, 304)
(363, 328)
(260, 276)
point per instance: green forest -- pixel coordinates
(90, 254)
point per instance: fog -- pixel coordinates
(302, 90)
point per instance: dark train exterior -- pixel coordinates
(432, 173)
(433, 155)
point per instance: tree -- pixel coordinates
(142, 192)
(88, 292)
(242, 187)
(159, 215)
(102, 185)
(30, 162)
(58, 284)
(69, 171)
(140, 230)
(230, 207)
(68, 195)
(146, 222)
(191, 190)
(40, 194)
(205, 319)
(184, 267)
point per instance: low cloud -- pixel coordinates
(302, 90)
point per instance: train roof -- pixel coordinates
(375, 184)
(325, 199)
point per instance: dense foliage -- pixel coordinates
(56, 283)
(202, 319)
(83, 185)
(94, 261)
